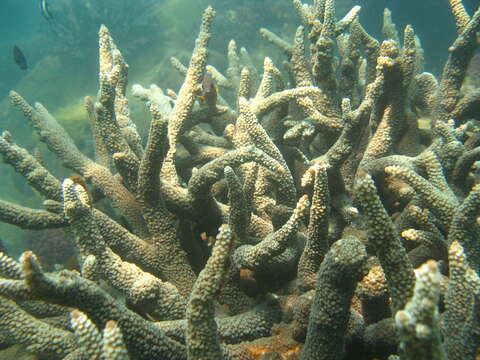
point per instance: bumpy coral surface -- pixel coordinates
(326, 211)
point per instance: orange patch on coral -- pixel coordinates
(287, 352)
(256, 351)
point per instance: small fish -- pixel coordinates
(79, 180)
(19, 58)
(209, 92)
(45, 9)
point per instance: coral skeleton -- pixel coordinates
(305, 213)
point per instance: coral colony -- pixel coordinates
(325, 211)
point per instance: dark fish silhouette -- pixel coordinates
(45, 9)
(19, 58)
(209, 92)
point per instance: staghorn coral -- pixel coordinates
(323, 176)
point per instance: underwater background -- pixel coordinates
(62, 58)
(351, 229)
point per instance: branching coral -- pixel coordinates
(352, 232)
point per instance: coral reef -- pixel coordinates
(53, 247)
(329, 211)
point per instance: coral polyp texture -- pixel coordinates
(328, 210)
